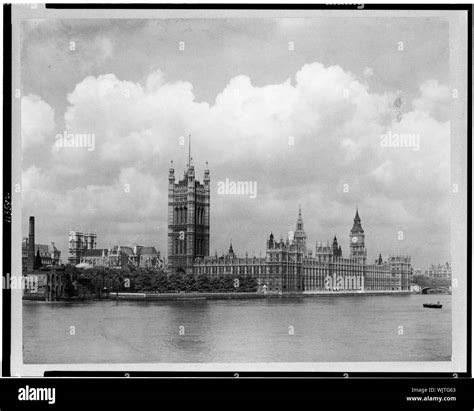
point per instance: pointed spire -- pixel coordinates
(299, 233)
(357, 227)
(357, 218)
(299, 222)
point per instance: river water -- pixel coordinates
(310, 329)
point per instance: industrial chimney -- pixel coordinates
(31, 246)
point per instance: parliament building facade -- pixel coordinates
(288, 266)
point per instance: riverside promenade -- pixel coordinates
(244, 295)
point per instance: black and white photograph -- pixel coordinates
(239, 190)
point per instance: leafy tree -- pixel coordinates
(214, 284)
(425, 281)
(227, 284)
(247, 284)
(160, 282)
(203, 283)
(189, 282)
(176, 282)
(152, 280)
(144, 281)
(69, 289)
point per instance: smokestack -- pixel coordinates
(31, 246)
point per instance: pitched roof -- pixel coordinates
(123, 249)
(95, 253)
(43, 248)
(126, 250)
(147, 251)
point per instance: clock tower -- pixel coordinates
(357, 241)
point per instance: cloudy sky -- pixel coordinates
(245, 89)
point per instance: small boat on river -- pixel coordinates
(433, 305)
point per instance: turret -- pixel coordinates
(270, 241)
(171, 176)
(300, 235)
(335, 247)
(207, 179)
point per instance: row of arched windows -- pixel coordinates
(199, 246)
(181, 213)
(199, 215)
(180, 246)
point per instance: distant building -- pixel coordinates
(290, 266)
(48, 281)
(49, 254)
(78, 244)
(441, 271)
(120, 256)
(48, 284)
(231, 264)
(287, 266)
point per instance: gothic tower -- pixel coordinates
(380, 261)
(357, 241)
(300, 235)
(336, 248)
(188, 218)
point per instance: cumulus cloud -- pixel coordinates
(37, 121)
(332, 119)
(368, 72)
(434, 99)
(324, 106)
